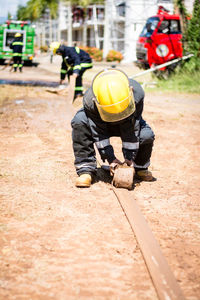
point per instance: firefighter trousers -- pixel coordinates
(84, 151)
(79, 84)
(17, 63)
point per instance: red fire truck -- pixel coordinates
(160, 40)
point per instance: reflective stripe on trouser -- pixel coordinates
(146, 139)
(83, 144)
(79, 88)
(79, 85)
(63, 71)
(17, 61)
(17, 54)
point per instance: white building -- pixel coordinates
(115, 25)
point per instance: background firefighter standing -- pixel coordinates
(17, 46)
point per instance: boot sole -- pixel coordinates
(83, 185)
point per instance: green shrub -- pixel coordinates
(114, 56)
(95, 53)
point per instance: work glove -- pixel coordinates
(113, 165)
(128, 162)
(62, 86)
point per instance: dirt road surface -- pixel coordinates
(60, 242)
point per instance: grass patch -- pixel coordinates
(180, 82)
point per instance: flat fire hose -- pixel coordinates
(165, 284)
(162, 65)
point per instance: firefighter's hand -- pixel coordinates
(61, 87)
(128, 162)
(113, 166)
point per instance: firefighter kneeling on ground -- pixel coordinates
(112, 106)
(75, 62)
(17, 46)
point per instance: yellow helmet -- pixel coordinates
(18, 34)
(54, 47)
(113, 95)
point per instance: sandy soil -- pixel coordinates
(60, 242)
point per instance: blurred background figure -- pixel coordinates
(17, 46)
(75, 62)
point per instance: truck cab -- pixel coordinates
(160, 40)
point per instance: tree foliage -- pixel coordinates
(191, 34)
(9, 16)
(183, 14)
(35, 8)
(192, 37)
(193, 30)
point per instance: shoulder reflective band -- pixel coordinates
(77, 50)
(102, 144)
(130, 146)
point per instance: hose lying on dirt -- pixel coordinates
(29, 82)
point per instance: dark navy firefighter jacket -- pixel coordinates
(74, 60)
(17, 46)
(128, 129)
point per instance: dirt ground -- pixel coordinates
(60, 242)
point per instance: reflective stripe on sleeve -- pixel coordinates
(86, 65)
(77, 67)
(102, 144)
(130, 146)
(17, 43)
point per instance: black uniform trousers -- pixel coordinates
(84, 151)
(17, 62)
(78, 90)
